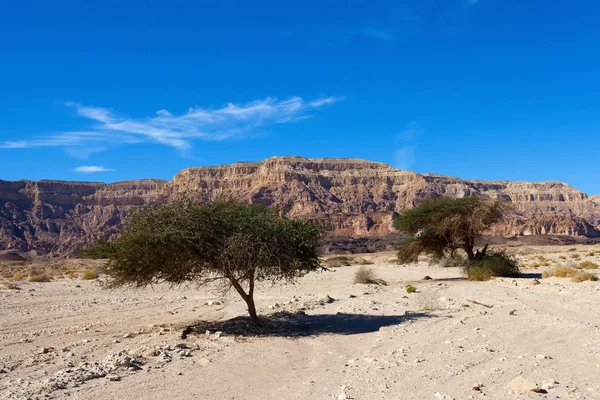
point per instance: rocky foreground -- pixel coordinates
(326, 338)
(359, 198)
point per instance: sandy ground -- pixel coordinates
(74, 339)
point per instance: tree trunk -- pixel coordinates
(252, 309)
(248, 297)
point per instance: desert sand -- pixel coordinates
(453, 339)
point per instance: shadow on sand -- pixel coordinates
(285, 324)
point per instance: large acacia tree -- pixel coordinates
(440, 226)
(239, 244)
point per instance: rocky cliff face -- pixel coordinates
(359, 198)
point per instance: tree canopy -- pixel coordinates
(234, 242)
(440, 226)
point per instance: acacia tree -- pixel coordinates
(440, 226)
(239, 244)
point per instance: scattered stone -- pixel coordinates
(543, 357)
(524, 385)
(443, 396)
(427, 278)
(47, 350)
(128, 335)
(512, 312)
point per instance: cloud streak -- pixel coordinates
(176, 131)
(91, 169)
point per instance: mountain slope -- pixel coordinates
(360, 198)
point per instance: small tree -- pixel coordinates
(440, 226)
(228, 241)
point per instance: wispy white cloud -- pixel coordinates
(91, 169)
(405, 156)
(377, 34)
(177, 131)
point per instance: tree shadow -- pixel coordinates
(532, 275)
(286, 324)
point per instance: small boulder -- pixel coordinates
(524, 385)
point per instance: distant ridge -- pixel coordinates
(360, 198)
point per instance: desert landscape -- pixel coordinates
(327, 337)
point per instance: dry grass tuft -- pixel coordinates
(40, 278)
(588, 265)
(583, 276)
(88, 275)
(364, 276)
(9, 285)
(18, 276)
(560, 272)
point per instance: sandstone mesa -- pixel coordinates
(360, 198)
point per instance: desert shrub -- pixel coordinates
(9, 285)
(455, 261)
(582, 276)
(18, 276)
(572, 249)
(588, 265)
(560, 272)
(575, 256)
(88, 275)
(72, 275)
(591, 254)
(59, 277)
(100, 249)
(534, 265)
(411, 289)
(492, 265)
(562, 257)
(429, 301)
(364, 276)
(40, 278)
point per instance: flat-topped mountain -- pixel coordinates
(360, 198)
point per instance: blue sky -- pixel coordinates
(114, 90)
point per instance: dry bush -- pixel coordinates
(588, 265)
(72, 276)
(562, 257)
(9, 285)
(591, 254)
(583, 276)
(18, 276)
(88, 275)
(365, 275)
(429, 301)
(575, 256)
(533, 265)
(40, 278)
(560, 272)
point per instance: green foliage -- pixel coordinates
(492, 265)
(226, 240)
(439, 226)
(411, 289)
(100, 249)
